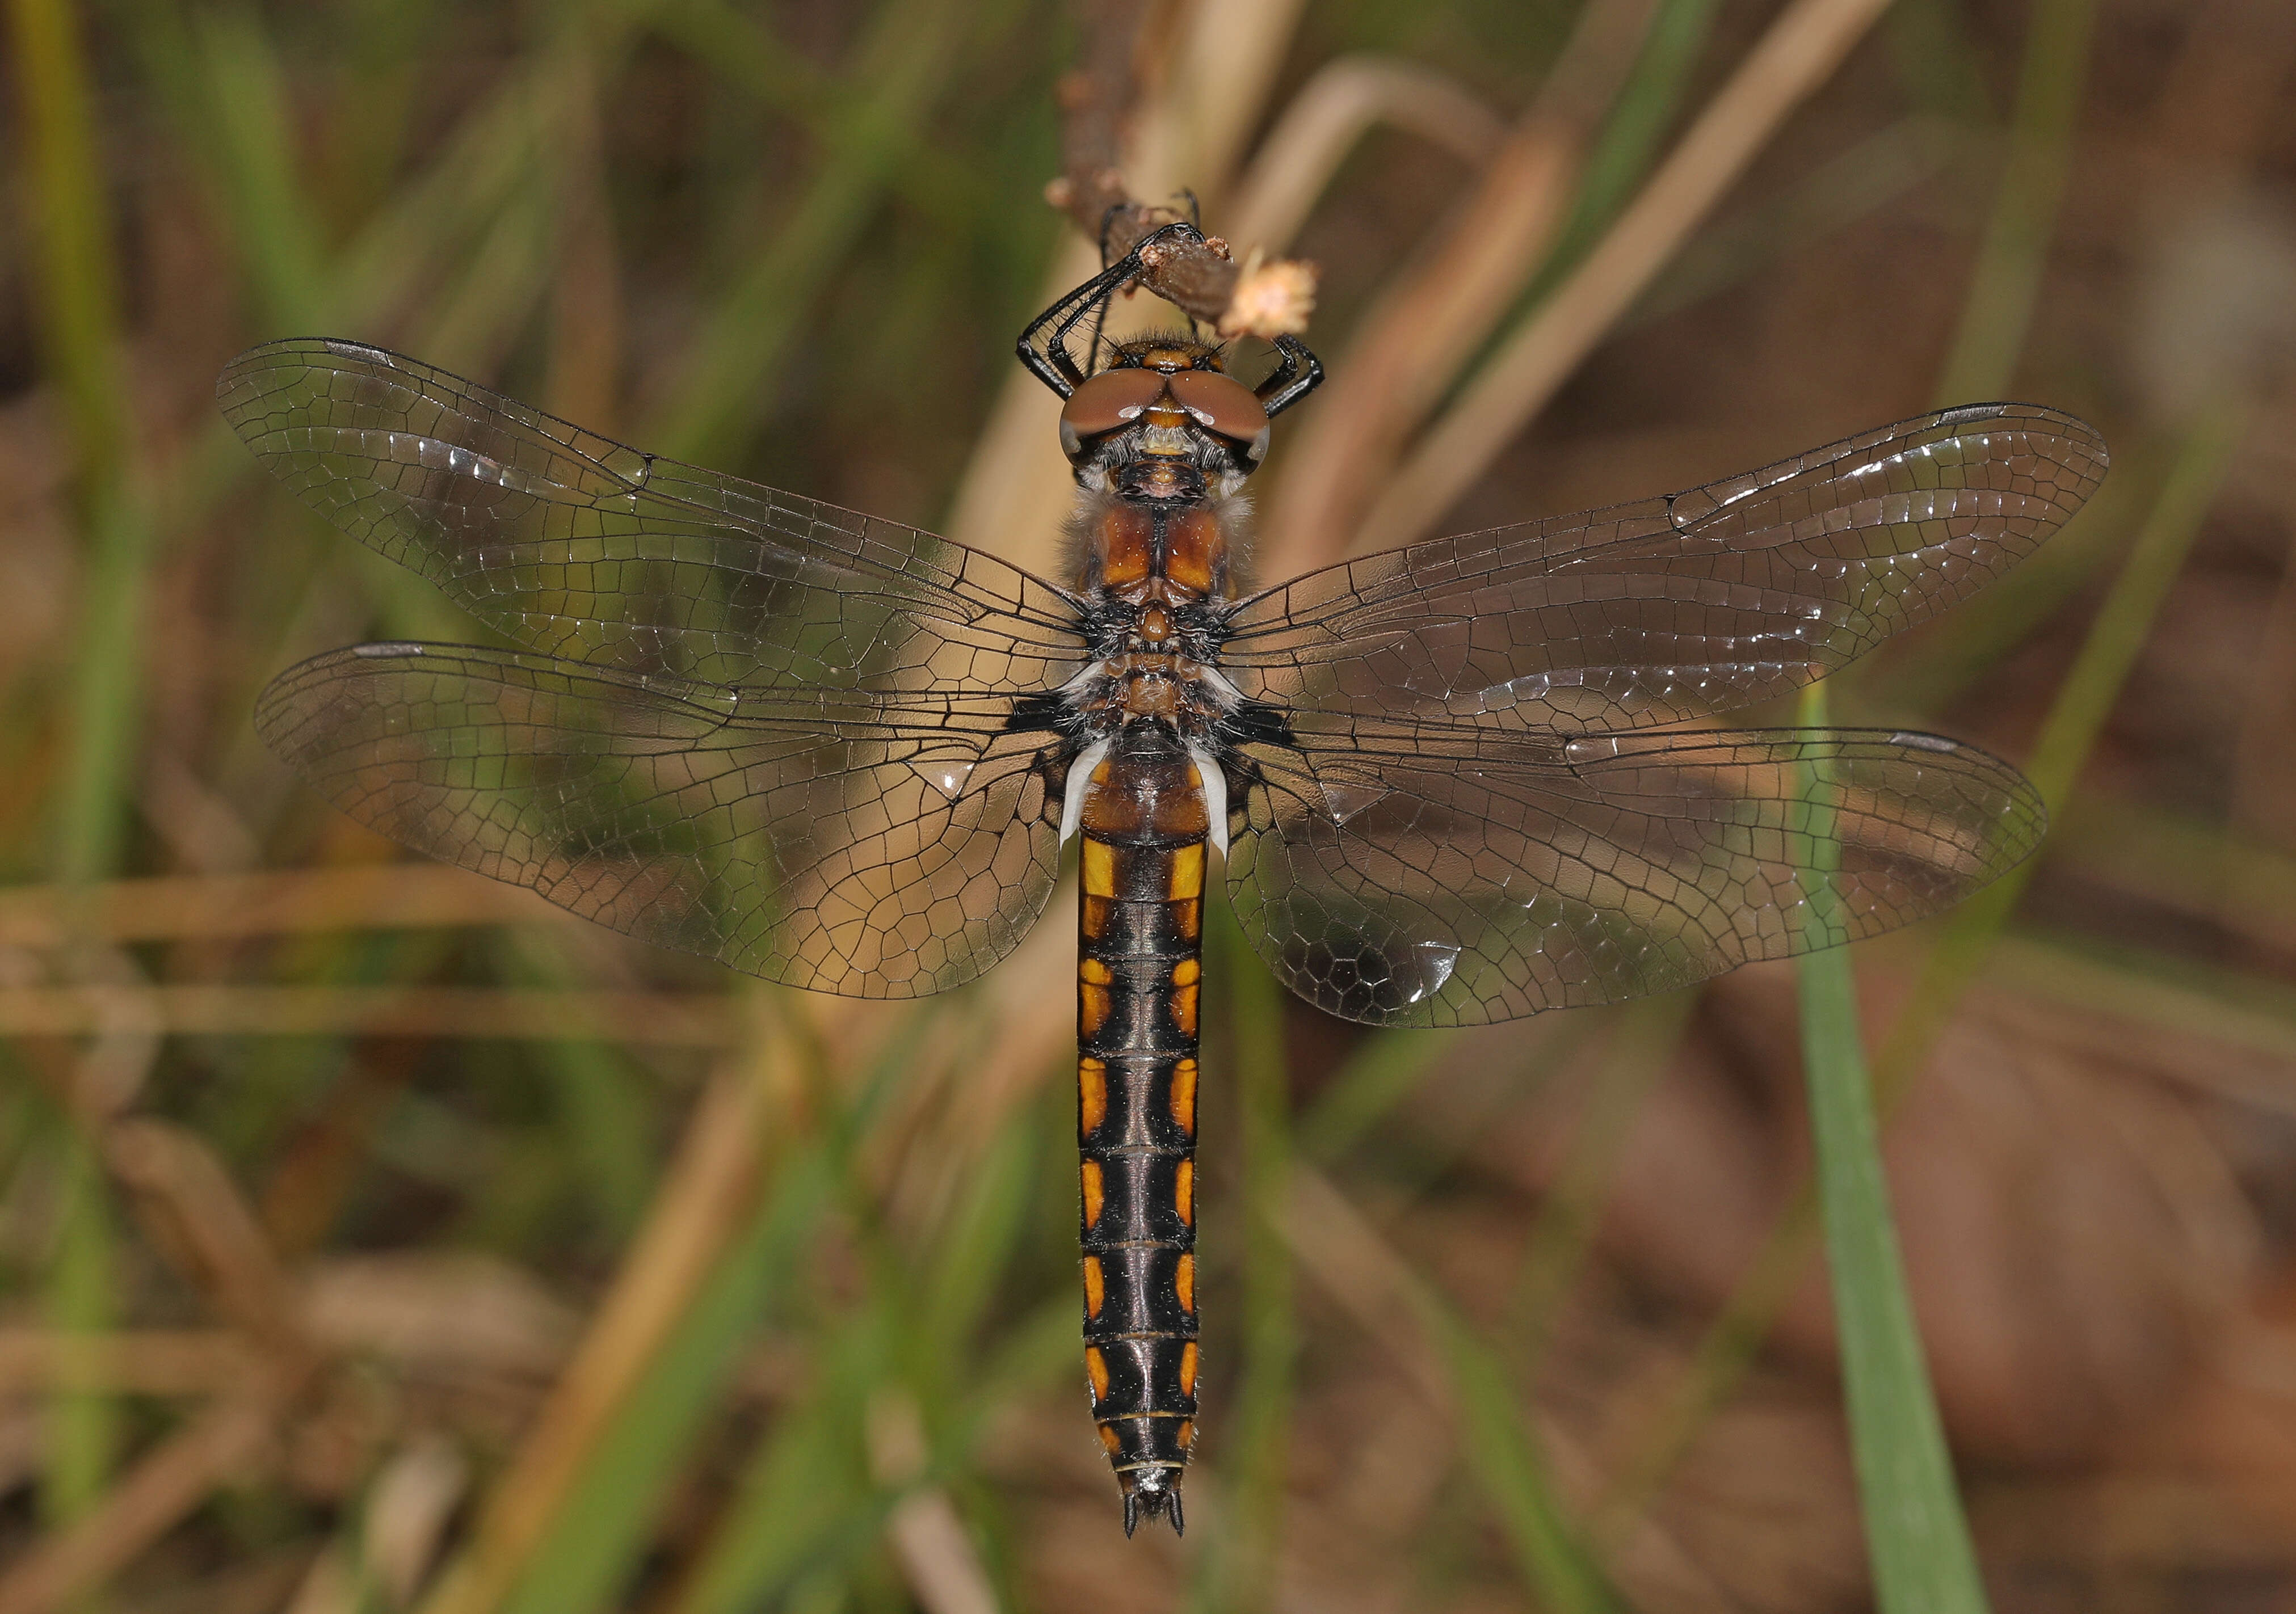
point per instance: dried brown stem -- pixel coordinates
(1202, 278)
(1433, 319)
(195, 1213)
(163, 1487)
(365, 897)
(1331, 112)
(653, 1019)
(1801, 50)
(144, 1362)
(711, 1189)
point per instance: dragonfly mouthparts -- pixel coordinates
(1160, 478)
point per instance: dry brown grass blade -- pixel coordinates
(161, 1489)
(2124, 1014)
(1800, 49)
(197, 1216)
(1336, 109)
(141, 1362)
(1381, 1293)
(374, 896)
(655, 1020)
(710, 1189)
(1430, 322)
(2237, 882)
(1422, 331)
(936, 1555)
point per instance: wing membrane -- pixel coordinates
(574, 546)
(1669, 610)
(868, 845)
(1476, 877)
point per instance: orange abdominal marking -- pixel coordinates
(1092, 1095)
(1095, 1193)
(1184, 1193)
(1184, 1096)
(1183, 1282)
(1098, 872)
(1188, 872)
(1095, 1287)
(1095, 1368)
(1189, 1357)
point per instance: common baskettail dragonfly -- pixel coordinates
(1451, 784)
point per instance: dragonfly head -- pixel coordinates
(1165, 422)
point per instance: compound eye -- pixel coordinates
(1222, 405)
(1105, 403)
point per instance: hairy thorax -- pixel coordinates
(1157, 578)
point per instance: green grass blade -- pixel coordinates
(803, 1486)
(1648, 103)
(2092, 686)
(2007, 281)
(82, 1427)
(1504, 1455)
(75, 312)
(902, 71)
(1381, 1072)
(1240, 1572)
(1642, 1041)
(1965, 939)
(1916, 1536)
(244, 114)
(599, 1536)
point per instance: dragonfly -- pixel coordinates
(1470, 780)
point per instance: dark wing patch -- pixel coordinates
(1673, 609)
(867, 845)
(1416, 878)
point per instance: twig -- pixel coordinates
(1200, 277)
(1792, 58)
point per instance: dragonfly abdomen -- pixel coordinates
(1139, 971)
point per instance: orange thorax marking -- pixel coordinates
(1128, 555)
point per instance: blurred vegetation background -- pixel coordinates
(374, 1238)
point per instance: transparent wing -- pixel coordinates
(1672, 608)
(1440, 875)
(573, 546)
(868, 845)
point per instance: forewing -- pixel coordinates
(1457, 878)
(576, 547)
(871, 845)
(1672, 608)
